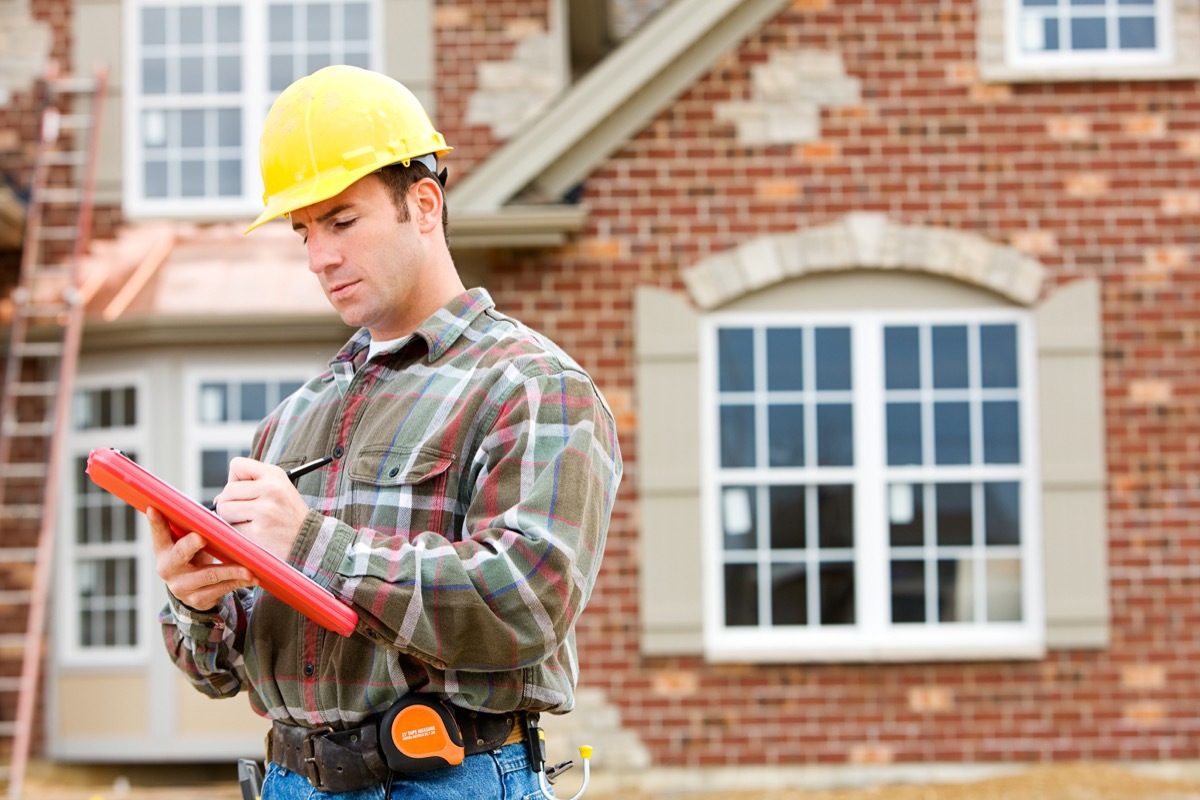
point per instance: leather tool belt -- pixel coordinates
(348, 760)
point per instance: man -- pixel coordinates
(465, 510)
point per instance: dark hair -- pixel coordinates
(398, 179)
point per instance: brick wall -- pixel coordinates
(1098, 179)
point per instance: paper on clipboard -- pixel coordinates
(114, 472)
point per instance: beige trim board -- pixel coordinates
(515, 226)
(612, 101)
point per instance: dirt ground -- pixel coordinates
(1058, 782)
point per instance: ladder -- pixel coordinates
(43, 347)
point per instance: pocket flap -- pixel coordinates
(385, 466)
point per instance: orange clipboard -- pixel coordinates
(114, 472)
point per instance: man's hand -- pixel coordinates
(192, 575)
(262, 504)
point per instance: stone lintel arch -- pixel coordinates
(864, 240)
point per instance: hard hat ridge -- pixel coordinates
(331, 128)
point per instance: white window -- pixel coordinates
(199, 80)
(105, 615)
(1070, 33)
(871, 486)
(224, 409)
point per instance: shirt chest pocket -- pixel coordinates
(387, 466)
(403, 490)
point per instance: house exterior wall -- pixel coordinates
(1093, 179)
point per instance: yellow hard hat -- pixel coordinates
(331, 128)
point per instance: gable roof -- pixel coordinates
(610, 103)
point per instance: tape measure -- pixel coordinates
(419, 733)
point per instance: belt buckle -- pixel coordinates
(310, 756)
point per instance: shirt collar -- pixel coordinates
(440, 331)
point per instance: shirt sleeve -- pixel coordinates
(207, 645)
(508, 593)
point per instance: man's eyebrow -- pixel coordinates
(328, 214)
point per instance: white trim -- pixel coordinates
(873, 636)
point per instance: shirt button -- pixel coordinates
(309, 669)
(395, 471)
(338, 451)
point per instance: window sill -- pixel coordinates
(994, 73)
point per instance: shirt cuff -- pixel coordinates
(320, 547)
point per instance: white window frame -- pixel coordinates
(255, 100)
(1162, 55)
(873, 637)
(136, 439)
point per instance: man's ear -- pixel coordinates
(427, 202)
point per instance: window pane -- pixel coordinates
(282, 73)
(1051, 41)
(787, 505)
(903, 434)
(1001, 437)
(229, 24)
(739, 512)
(1001, 513)
(192, 178)
(357, 21)
(229, 73)
(951, 433)
(833, 358)
(901, 358)
(279, 23)
(154, 176)
(954, 514)
(835, 435)
(1004, 590)
(154, 76)
(789, 594)
(837, 593)
(785, 435)
(253, 401)
(154, 26)
(908, 591)
(998, 356)
(191, 128)
(320, 19)
(214, 468)
(191, 75)
(229, 127)
(835, 514)
(906, 514)
(785, 359)
(191, 25)
(735, 354)
(737, 436)
(212, 403)
(956, 590)
(1135, 33)
(950, 357)
(229, 178)
(1088, 33)
(741, 594)
(357, 58)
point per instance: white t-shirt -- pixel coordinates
(376, 348)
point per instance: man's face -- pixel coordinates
(369, 263)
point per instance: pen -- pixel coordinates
(295, 472)
(304, 469)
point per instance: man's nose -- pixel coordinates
(322, 253)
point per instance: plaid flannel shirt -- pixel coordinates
(464, 518)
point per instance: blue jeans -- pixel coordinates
(502, 774)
